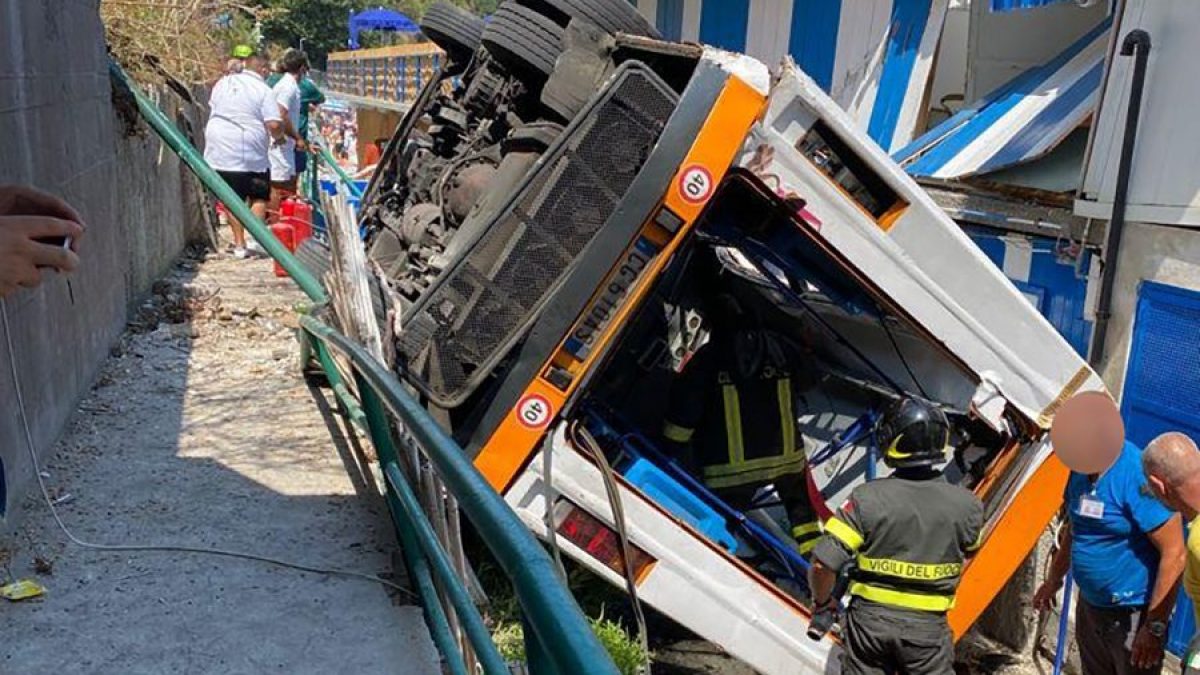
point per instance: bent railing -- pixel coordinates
(557, 637)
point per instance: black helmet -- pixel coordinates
(912, 433)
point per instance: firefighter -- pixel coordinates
(903, 539)
(732, 421)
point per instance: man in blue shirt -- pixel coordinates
(1125, 551)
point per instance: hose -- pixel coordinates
(581, 437)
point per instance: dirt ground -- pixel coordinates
(200, 432)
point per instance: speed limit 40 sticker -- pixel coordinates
(534, 411)
(695, 184)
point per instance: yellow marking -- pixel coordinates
(1047, 415)
(844, 533)
(909, 570)
(904, 599)
(786, 420)
(733, 425)
(677, 433)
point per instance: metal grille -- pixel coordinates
(1164, 373)
(470, 318)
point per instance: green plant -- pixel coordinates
(510, 640)
(626, 652)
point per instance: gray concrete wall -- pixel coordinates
(59, 132)
(1170, 255)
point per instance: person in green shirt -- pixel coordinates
(310, 95)
(1171, 463)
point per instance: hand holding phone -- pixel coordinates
(37, 231)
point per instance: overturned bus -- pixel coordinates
(552, 307)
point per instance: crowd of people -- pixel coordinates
(257, 132)
(340, 129)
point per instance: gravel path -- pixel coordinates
(201, 433)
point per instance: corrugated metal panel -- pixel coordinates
(1011, 5)
(874, 57)
(1162, 391)
(1020, 121)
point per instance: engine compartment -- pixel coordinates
(481, 124)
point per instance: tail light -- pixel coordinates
(599, 540)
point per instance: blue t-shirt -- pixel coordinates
(1112, 557)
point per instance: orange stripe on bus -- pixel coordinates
(1009, 544)
(715, 149)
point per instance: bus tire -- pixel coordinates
(523, 40)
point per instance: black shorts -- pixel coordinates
(249, 185)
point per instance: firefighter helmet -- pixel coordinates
(913, 433)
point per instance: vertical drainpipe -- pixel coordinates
(1136, 44)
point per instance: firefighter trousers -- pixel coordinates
(793, 492)
(881, 640)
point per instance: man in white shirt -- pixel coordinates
(243, 118)
(294, 65)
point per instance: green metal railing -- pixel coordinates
(558, 638)
(346, 179)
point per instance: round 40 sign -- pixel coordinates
(534, 411)
(695, 184)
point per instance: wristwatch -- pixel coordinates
(1157, 628)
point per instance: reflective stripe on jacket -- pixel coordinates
(908, 538)
(742, 429)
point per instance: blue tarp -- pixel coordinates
(380, 19)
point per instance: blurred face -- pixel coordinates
(1088, 433)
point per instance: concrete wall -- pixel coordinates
(1170, 255)
(950, 69)
(59, 132)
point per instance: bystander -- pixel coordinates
(1125, 552)
(294, 65)
(243, 118)
(1171, 463)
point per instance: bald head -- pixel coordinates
(1173, 458)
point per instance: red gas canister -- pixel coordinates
(287, 236)
(287, 208)
(303, 220)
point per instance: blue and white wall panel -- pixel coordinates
(874, 57)
(1059, 285)
(1019, 121)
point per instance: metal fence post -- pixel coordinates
(380, 430)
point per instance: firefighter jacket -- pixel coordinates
(909, 539)
(739, 421)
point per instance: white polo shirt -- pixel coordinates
(236, 137)
(283, 157)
